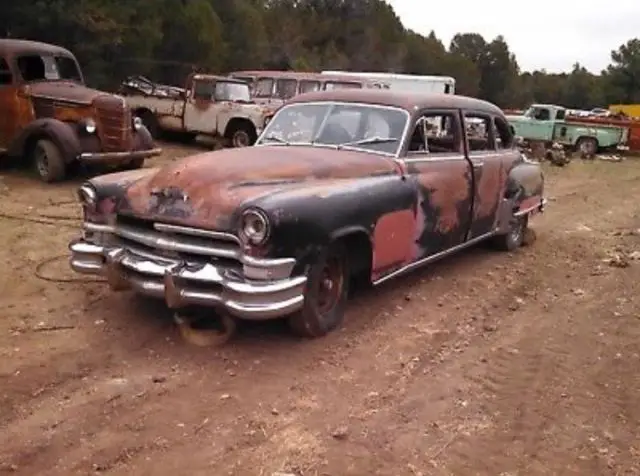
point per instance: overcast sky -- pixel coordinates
(549, 34)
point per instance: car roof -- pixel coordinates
(409, 101)
(9, 46)
(302, 75)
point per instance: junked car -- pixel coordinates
(209, 105)
(51, 119)
(341, 185)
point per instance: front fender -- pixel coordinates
(60, 133)
(142, 139)
(309, 217)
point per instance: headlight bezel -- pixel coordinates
(255, 227)
(136, 123)
(87, 196)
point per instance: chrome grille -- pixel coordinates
(177, 242)
(114, 123)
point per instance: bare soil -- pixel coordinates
(487, 363)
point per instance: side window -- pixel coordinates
(307, 86)
(436, 133)
(479, 129)
(263, 88)
(203, 90)
(542, 114)
(560, 114)
(5, 73)
(503, 133)
(286, 88)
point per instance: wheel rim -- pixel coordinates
(586, 147)
(42, 162)
(241, 139)
(331, 284)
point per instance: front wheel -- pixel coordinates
(48, 161)
(243, 136)
(514, 238)
(326, 294)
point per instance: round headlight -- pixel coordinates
(87, 195)
(254, 227)
(137, 123)
(90, 126)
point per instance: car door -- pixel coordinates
(10, 117)
(436, 162)
(200, 109)
(487, 170)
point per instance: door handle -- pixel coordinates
(477, 164)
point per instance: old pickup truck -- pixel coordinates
(51, 119)
(360, 188)
(549, 123)
(214, 106)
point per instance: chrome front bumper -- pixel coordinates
(182, 283)
(119, 156)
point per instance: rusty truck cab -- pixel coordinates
(279, 86)
(53, 120)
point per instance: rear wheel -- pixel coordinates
(48, 161)
(587, 146)
(326, 294)
(515, 237)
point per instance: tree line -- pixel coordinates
(167, 39)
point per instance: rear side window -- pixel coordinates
(263, 88)
(5, 73)
(504, 136)
(203, 90)
(286, 88)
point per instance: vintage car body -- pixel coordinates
(549, 123)
(276, 87)
(51, 118)
(215, 106)
(280, 228)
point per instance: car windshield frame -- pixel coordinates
(49, 59)
(265, 140)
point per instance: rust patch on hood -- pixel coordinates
(211, 186)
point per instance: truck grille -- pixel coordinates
(114, 123)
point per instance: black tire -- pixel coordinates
(326, 294)
(48, 161)
(515, 237)
(133, 165)
(242, 135)
(150, 122)
(587, 146)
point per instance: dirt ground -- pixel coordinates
(486, 363)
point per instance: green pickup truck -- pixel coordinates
(551, 124)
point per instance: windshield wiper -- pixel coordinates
(368, 141)
(275, 138)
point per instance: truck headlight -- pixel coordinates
(254, 226)
(137, 123)
(89, 125)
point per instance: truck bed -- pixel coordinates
(632, 125)
(165, 102)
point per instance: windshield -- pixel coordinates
(228, 91)
(356, 126)
(48, 68)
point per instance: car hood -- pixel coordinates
(205, 190)
(64, 91)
